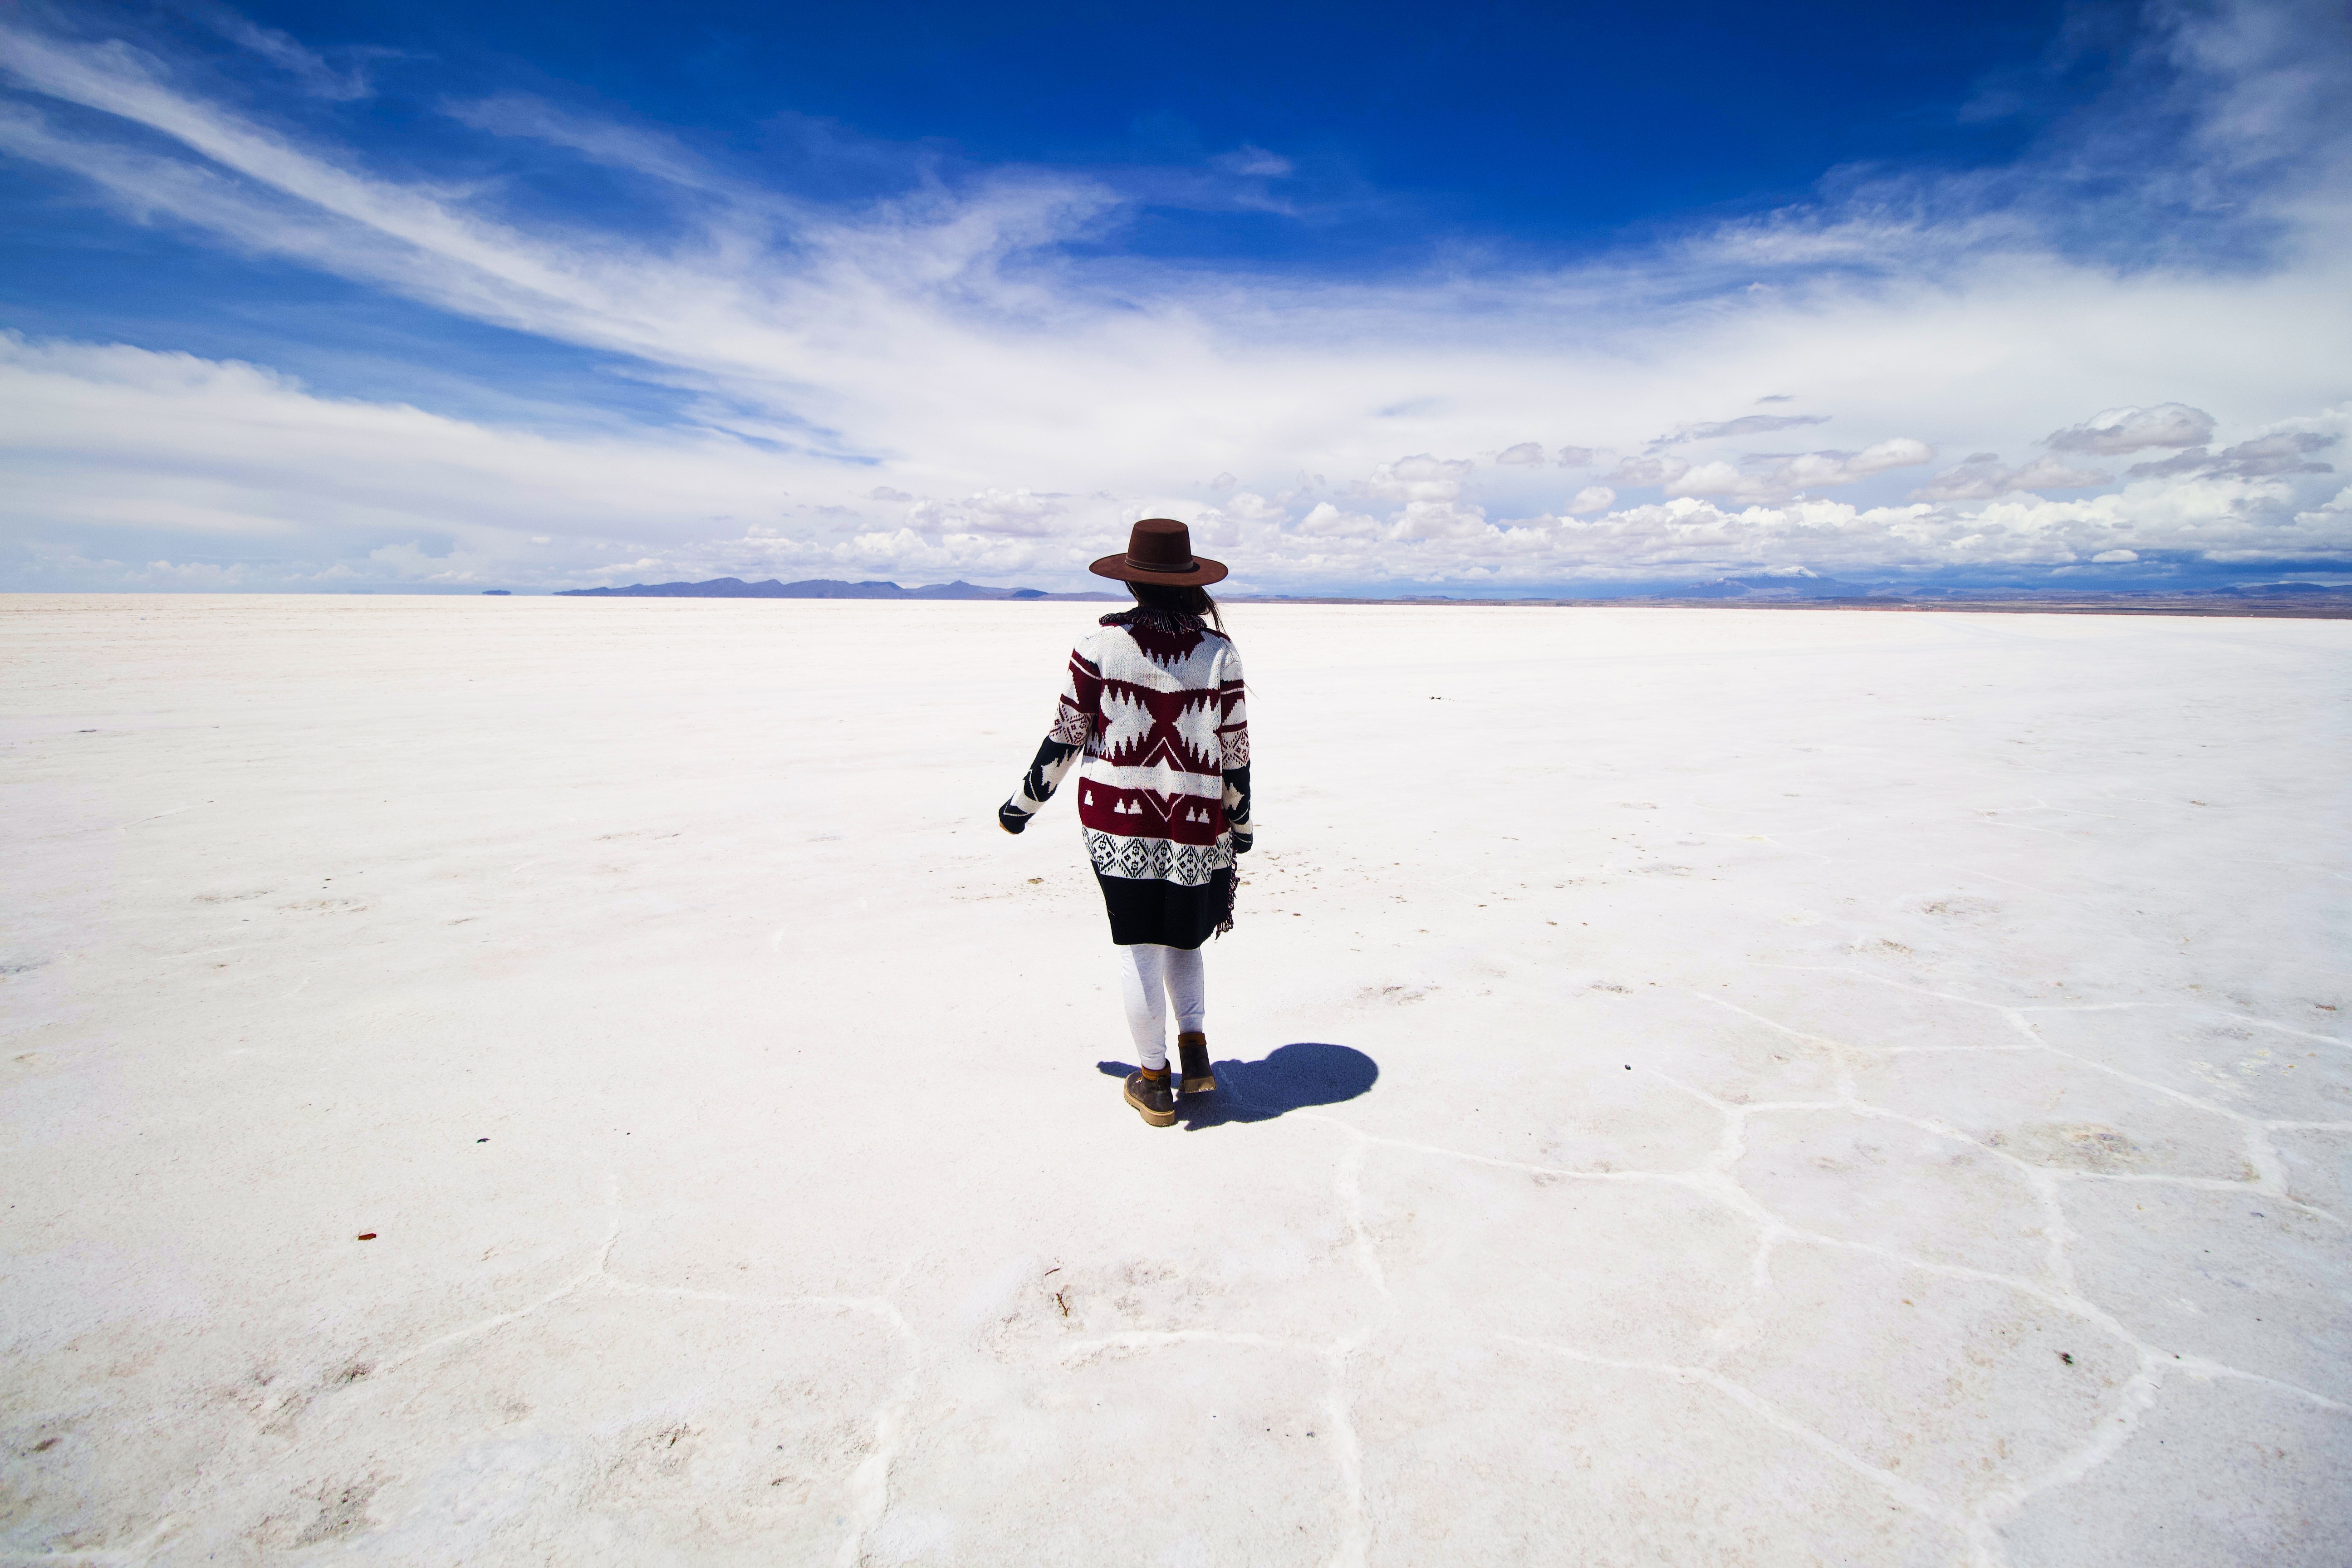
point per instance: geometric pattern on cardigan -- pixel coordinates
(1155, 859)
(1157, 705)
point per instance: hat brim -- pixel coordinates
(1205, 572)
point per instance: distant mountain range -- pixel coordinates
(1760, 592)
(1813, 587)
(813, 588)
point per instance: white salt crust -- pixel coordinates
(1851, 1086)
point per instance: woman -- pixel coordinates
(1154, 700)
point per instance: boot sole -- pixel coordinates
(1203, 1085)
(1151, 1117)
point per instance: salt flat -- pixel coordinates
(1704, 1087)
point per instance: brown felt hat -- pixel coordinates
(1159, 550)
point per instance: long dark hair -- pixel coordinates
(1185, 598)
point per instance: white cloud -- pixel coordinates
(1746, 424)
(319, 79)
(1714, 478)
(1780, 479)
(1648, 471)
(1525, 452)
(1253, 162)
(222, 454)
(1900, 452)
(1439, 519)
(2117, 430)
(961, 339)
(1421, 478)
(2265, 457)
(2047, 473)
(1983, 476)
(231, 456)
(1327, 521)
(1244, 516)
(1019, 513)
(1250, 506)
(598, 141)
(1979, 477)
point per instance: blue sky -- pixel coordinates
(1467, 299)
(1508, 122)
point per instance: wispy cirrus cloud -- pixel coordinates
(317, 76)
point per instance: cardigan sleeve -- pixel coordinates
(1073, 722)
(1233, 735)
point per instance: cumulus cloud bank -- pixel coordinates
(951, 379)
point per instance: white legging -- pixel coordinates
(1151, 976)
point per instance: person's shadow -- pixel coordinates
(1291, 1078)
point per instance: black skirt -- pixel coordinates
(1144, 909)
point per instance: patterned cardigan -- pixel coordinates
(1155, 702)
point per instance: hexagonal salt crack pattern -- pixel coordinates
(2267, 1074)
(2219, 1471)
(1607, 1467)
(1621, 1266)
(1965, 1387)
(1869, 1015)
(2061, 1114)
(1593, 1101)
(1615, 1120)
(1886, 1183)
(2243, 1279)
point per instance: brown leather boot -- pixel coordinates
(1153, 1095)
(1193, 1052)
